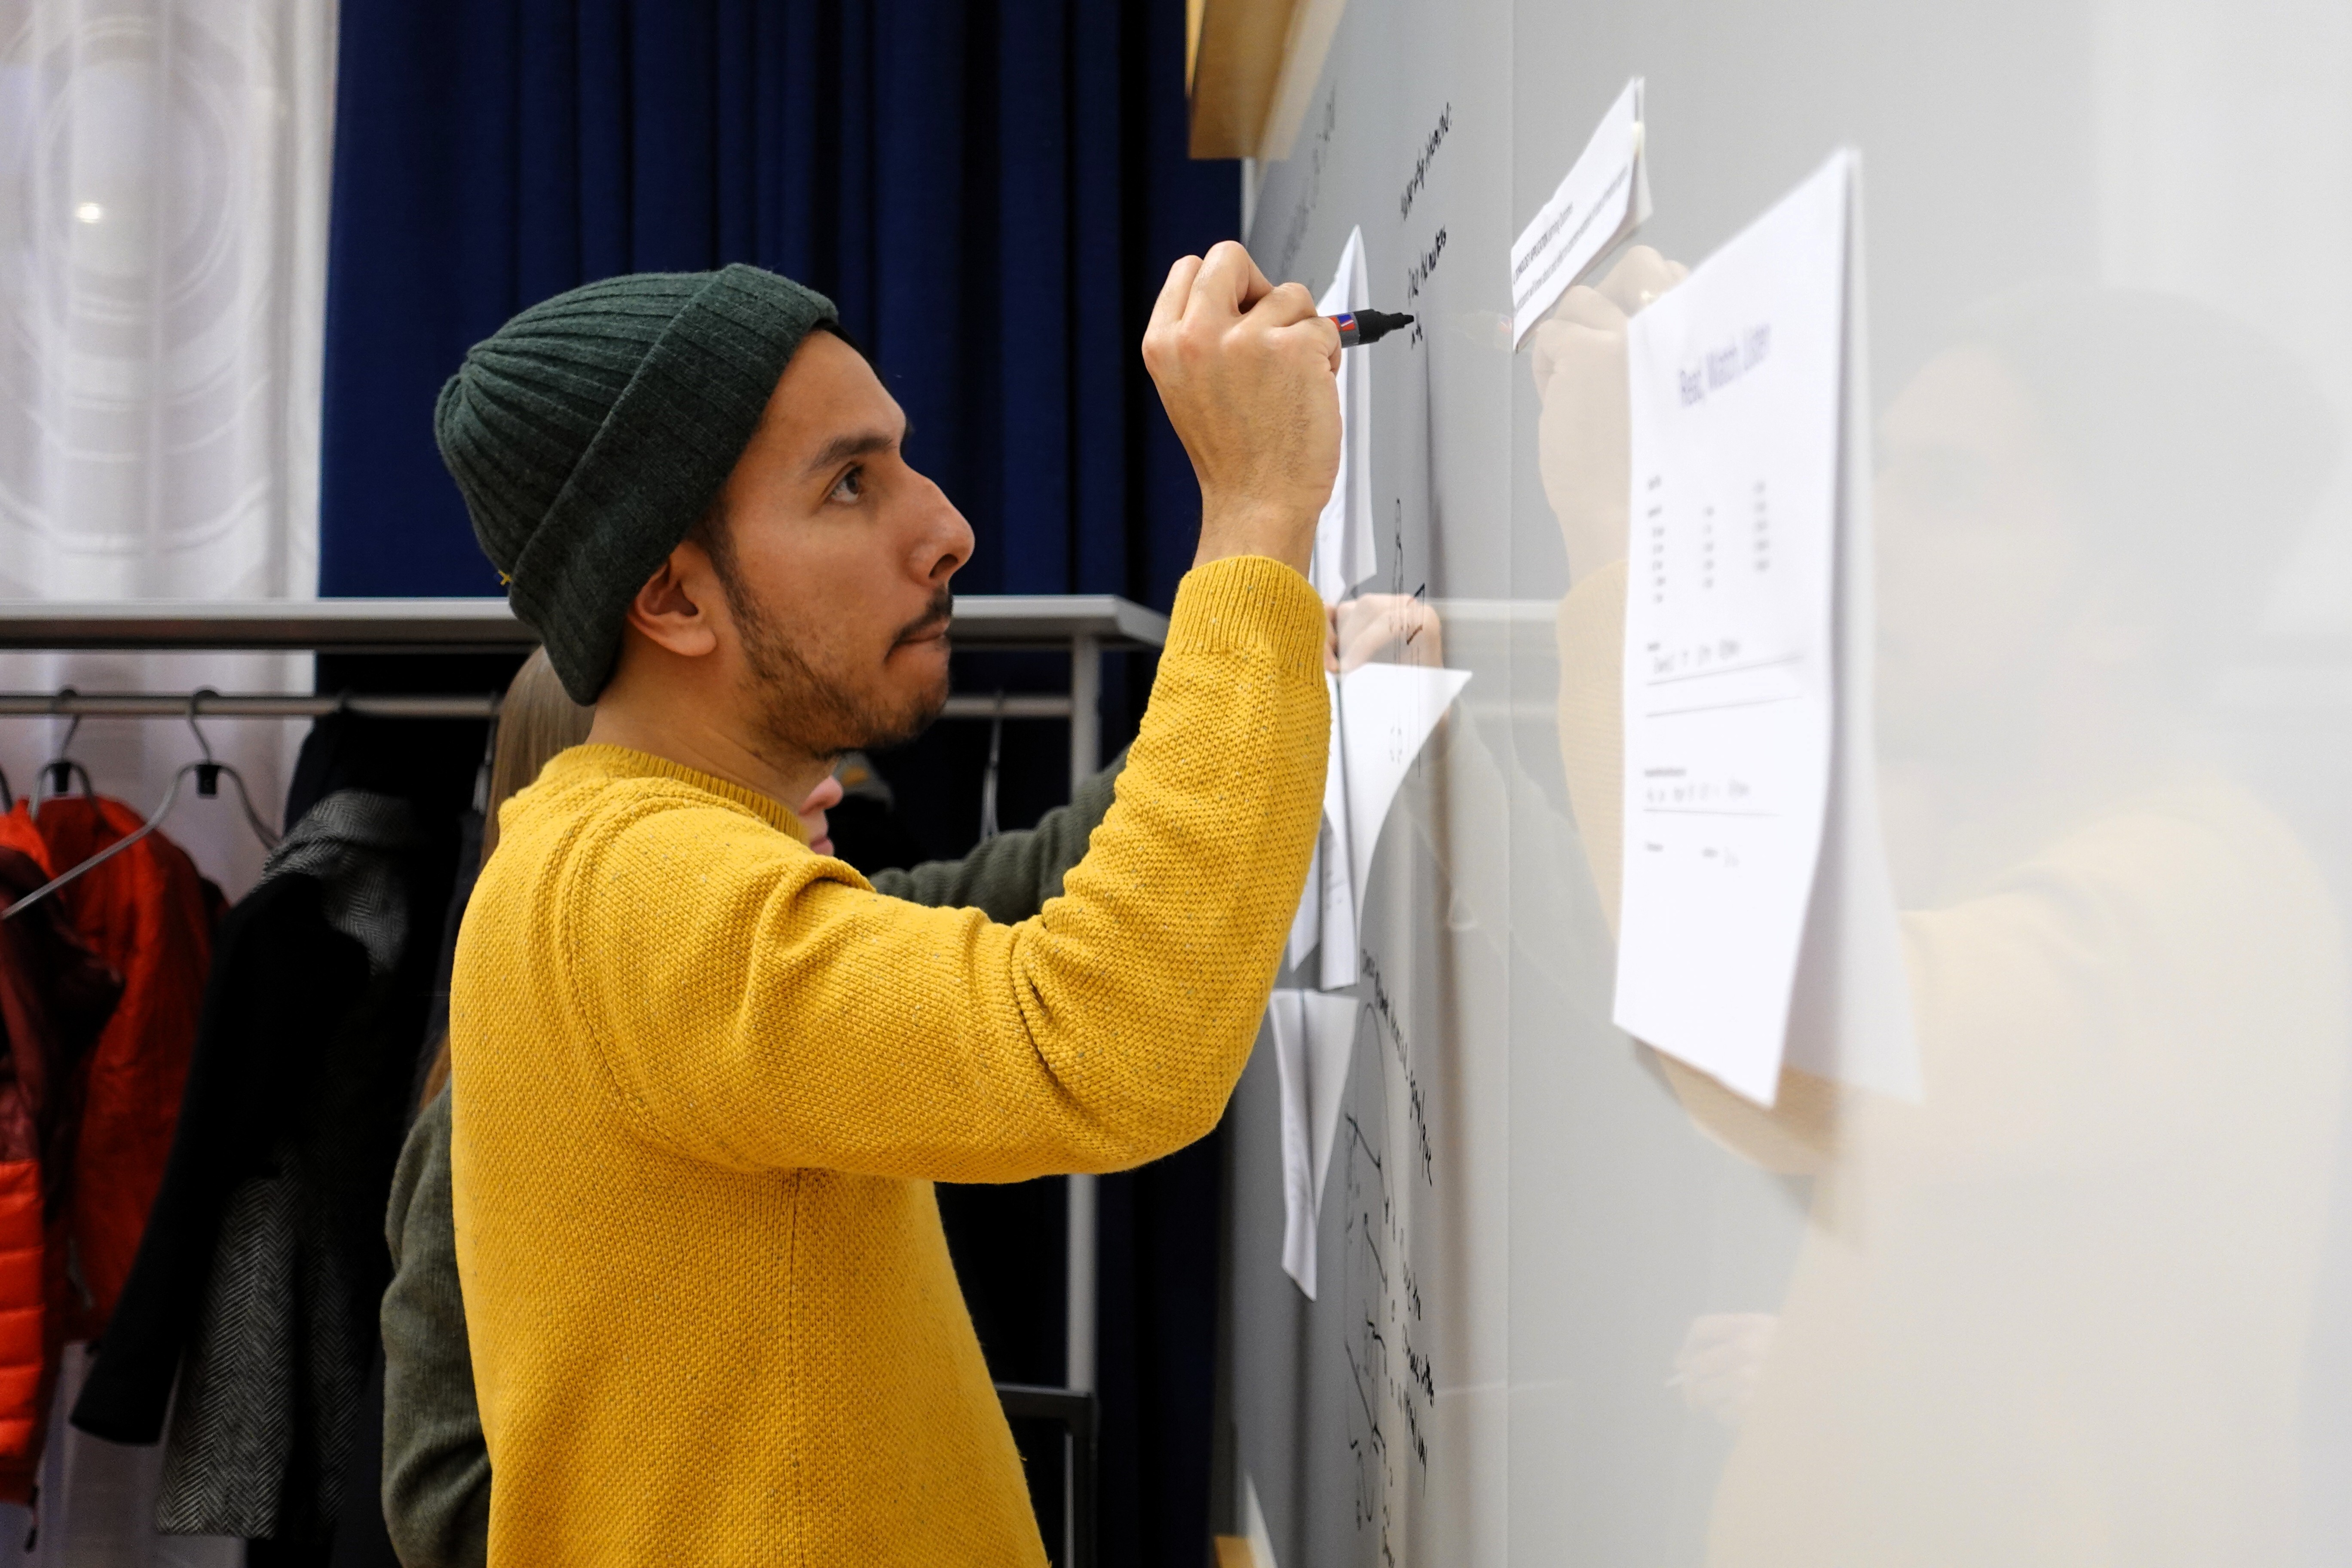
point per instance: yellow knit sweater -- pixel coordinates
(704, 1080)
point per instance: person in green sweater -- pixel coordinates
(437, 1467)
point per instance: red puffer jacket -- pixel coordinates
(55, 996)
(148, 914)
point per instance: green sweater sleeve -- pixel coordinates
(436, 1471)
(1010, 877)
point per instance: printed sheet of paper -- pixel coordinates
(1735, 379)
(1851, 1018)
(1343, 534)
(1381, 715)
(1314, 1042)
(1306, 925)
(1604, 199)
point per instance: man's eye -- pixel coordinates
(849, 487)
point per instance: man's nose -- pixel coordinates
(947, 542)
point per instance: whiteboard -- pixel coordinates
(2090, 1302)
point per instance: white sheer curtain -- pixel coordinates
(164, 179)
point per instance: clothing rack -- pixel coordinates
(70, 703)
(1086, 625)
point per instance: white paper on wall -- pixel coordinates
(1338, 921)
(1598, 203)
(1306, 925)
(1253, 1528)
(1851, 1017)
(1738, 714)
(1314, 1040)
(1343, 534)
(1382, 716)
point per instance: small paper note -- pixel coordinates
(1306, 925)
(1314, 1040)
(1335, 891)
(1604, 199)
(1381, 715)
(1343, 534)
(1253, 1528)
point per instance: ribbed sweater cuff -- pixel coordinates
(1246, 602)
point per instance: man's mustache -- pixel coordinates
(931, 622)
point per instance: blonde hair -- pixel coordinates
(537, 719)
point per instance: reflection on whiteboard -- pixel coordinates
(1343, 534)
(1381, 715)
(1313, 1039)
(1736, 382)
(1604, 197)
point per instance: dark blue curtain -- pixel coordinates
(992, 194)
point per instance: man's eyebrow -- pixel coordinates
(857, 444)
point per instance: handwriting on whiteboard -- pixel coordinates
(1389, 1343)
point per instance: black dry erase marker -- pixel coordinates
(1366, 326)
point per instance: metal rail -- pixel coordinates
(289, 705)
(1075, 1412)
(460, 626)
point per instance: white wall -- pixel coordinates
(2092, 1303)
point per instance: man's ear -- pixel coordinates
(678, 607)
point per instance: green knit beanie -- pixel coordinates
(591, 432)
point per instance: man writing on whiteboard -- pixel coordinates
(703, 1077)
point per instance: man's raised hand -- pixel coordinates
(1245, 370)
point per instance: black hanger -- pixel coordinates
(209, 773)
(58, 774)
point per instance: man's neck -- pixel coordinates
(687, 737)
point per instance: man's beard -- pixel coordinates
(802, 710)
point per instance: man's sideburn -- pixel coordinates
(796, 705)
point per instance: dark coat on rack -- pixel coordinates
(262, 1267)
